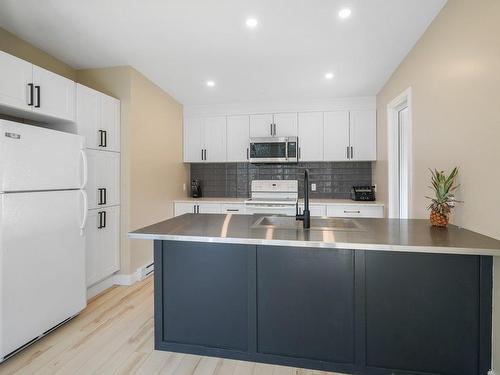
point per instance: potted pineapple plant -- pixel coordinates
(444, 199)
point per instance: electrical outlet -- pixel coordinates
(313, 187)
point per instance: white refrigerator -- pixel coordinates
(43, 210)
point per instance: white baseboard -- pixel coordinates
(100, 287)
(120, 279)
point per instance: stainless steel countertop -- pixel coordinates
(378, 234)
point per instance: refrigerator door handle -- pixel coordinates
(85, 212)
(85, 169)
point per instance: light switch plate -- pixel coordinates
(313, 187)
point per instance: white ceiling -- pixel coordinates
(180, 44)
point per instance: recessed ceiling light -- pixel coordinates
(252, 23)
(329, 75)
(345, 13)
(210, 83)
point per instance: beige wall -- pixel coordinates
(454, 73)
(15, 46)
(152, 172)
(156, 167)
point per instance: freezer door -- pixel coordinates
(33, 158)
(42, 263)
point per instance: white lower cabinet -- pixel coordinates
(233, 208)
(351, 210)
(181, 208)
(314, 209)
(103, 186)
(102, 243)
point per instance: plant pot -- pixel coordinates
(438, 219)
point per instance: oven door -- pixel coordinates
(269, 150)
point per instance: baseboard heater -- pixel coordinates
(150, 269)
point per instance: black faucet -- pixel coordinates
(305, 217)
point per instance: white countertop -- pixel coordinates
(311, 201)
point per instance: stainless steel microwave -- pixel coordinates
(274, 150)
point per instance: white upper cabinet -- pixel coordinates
(350, 136)
(54, 95)
(205, 139)
(310, 136)
(363, 135)
(273, 125)
(110, 123)
(341, 135)
(261, 125)
(285, 125)
(215, 139)
(194, 140)
(336, 136)
(29, 91)
(238, 134)
(15, 77)
(98, 119)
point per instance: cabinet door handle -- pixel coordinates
(274, 133)
(299, 153)
(352, 211)
(30, 99)
(205, 154)
(105, 138)
(198, 208)
(271, 128)
(352, 152)
(105, 195)
(247, 154)
(194, 208)
(102, 219)
(101, 138)
(38, 96)
(347, 152)
(232, 210)
(99, 191)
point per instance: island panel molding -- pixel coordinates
(302, 304)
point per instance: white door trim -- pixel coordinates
(402, 100)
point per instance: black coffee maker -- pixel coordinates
(196, 189)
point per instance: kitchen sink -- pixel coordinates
(317, 223)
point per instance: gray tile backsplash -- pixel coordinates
(332, 179)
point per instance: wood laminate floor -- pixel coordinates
(114, 335)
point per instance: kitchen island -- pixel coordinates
(364, 296)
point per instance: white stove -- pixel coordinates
(273, 197)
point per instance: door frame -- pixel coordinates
(399, 102)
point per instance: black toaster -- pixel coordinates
(363, 193)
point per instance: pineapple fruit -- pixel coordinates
(444, 200)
